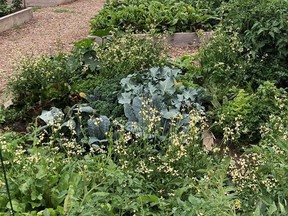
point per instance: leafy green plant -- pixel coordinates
(262, 28)
(259, 174)
(242, 114)
(159, 90)
(6, 8)
(85, 52)
(143, 15)
(104, 97)
(44, 80)
(247, 49)
(80, 122)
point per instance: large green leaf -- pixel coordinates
(52, 115)
(167, 86)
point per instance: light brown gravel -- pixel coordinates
(52, 29)
(175, 52)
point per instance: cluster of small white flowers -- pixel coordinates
(244, 170)
(143, 168)
(71, 147)
(231, 133)
(19, 152)
(167, 168)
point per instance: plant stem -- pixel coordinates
(6, 183)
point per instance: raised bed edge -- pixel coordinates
(46, 3)
(177, 39)
(15, 19)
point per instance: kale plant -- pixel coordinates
(157, 91)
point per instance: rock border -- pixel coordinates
(46, 3)
(180, 39)
(15, 19)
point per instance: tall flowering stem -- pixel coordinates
(6, 182)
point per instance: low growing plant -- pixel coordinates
(141, 16)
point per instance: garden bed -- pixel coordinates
(15, 19)
(46, 3)
(176, 40)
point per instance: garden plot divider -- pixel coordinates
(177, 39)
(46, 3)
(15, 19)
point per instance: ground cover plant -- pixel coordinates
(6, 8)
(142, 16)
(126, 131)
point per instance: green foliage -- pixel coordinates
(157, 90)
(6, 8)
(84, 50)
(248, 48)
(104, 98)
(144, 15)
(126, 54)
(262, 27)
(80, 122)
(44, 80)
(260, 174)
(135, 178)
(242, 114)
(77, 161)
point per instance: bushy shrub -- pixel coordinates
(126, 54)
(242, 114)
(260, 174)
(43, 80)
(248, 48)
(261, 25)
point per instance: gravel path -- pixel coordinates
(52, 29)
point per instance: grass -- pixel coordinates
(63, 10)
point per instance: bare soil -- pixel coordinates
(51, 29)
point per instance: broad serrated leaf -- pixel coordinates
(85, 109)
(170, 114)
(154, 72)
(167, 86)
(52, 115)
(129, 113)
(125, 98)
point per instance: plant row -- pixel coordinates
(160, 16)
